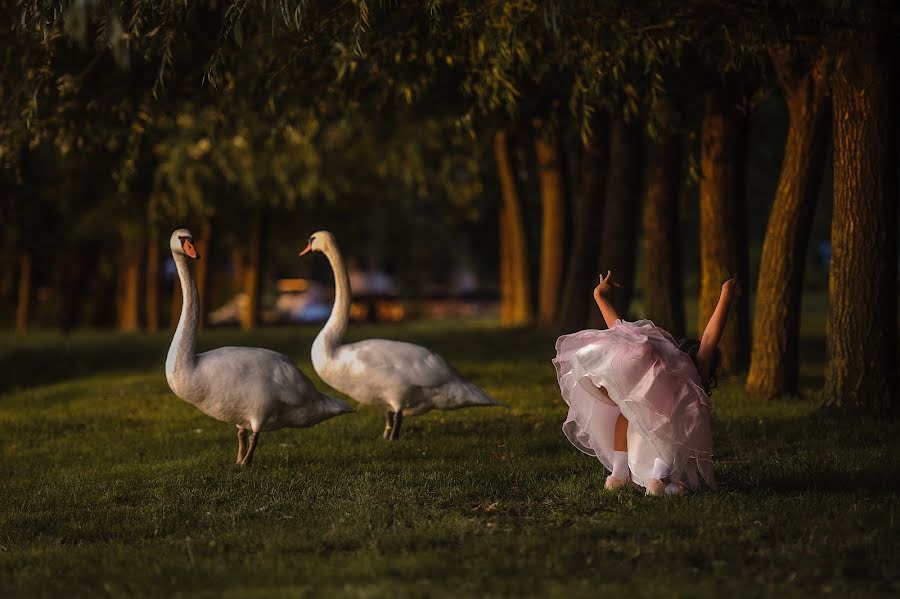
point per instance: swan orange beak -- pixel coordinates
(306, 250)
(188, 246)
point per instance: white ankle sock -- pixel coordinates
(620, 464)
(660, 469)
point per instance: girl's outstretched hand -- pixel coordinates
(732, 285)
(605, 286)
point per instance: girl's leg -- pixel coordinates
(620, 440)
(620, 475)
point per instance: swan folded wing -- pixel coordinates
(238, 366)
(415, 365)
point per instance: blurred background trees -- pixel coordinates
(530, 144)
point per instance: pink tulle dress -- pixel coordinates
(649, 380)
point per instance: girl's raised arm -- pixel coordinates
(712, 334)
(601, 296)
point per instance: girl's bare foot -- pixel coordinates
(615, 483)
(655, 487)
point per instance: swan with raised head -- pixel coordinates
(403, 378)
(254, 389)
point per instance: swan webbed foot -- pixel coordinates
(251, 448)
(242, 445)
(395, 430)
(388, 426)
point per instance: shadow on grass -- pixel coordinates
(821, 452)
(46, 358)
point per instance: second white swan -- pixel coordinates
(403, 378)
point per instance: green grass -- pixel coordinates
(112, 486)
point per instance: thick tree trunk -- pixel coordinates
(253, 272)
(618, 240)
(129, 285)
(722, 223)
(553, 223)
(23, 298)
(581, 275)
(663, 294)
(151, 283)
(862, 335)
(774, 359)
(516, 307)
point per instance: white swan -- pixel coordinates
(406, 379)
(255, 389)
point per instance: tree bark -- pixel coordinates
(722, 224)
(618, 241)
(553, 223)
(516, 307)
(129, 276)
(774, 360)
(252, 272)
(151, 283)
(862, 334)
(663, 293)
(581, 275)
(23, 299)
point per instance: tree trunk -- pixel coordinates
(151, 283)
(553, 222)
(516, 306)
(23, 301)
(862, 334)
(618, 241)
(129, 277)
(581, 276)
(774, 361)
(252, 272)
(663, 294)
(202, 268)
(722, 223)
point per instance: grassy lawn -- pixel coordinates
(112, 486)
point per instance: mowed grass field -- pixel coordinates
(111, 486)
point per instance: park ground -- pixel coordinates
(111, 486)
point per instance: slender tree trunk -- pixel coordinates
(774, 361)
(202, 269)
(663, 294)
(581, 275)
(129, 277)
(151, 283)
(862, 335)
(618, 241)
(553, 222)
(23, 300)
(722, 235)
(252, 272)
(515, 278)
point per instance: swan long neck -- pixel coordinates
(182, 351)
(333, 332)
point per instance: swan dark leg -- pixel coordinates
(388, 426)
(248, 457)
(398, 420)
(242, 444)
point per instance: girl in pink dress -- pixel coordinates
(639, 401)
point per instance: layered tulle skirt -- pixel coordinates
(651, 382)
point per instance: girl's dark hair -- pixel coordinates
(691, 347)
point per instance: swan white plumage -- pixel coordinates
(255, 389)
(405, 379)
